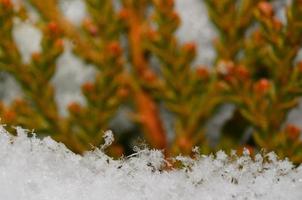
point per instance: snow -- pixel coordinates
(42, 169)
(14, 91)
(74, 10)
(196, 27)
(70, 75)
(28, 39)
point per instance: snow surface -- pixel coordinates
(42, 169)
(72, 72)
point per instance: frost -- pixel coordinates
(42, 169)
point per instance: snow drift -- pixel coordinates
(42, 169)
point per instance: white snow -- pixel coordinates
(74, 10)
(9, 90)
(71, 73)
(35, 169)
(197, 28)
(27, 38)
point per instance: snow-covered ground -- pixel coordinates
(35, 169)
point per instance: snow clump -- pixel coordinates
(42, 169)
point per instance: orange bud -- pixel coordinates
(53, 27)
(149, 75)
(6, 3)
(88, 87)
(262, 86)
(124, 14)
(74, 107)
(170, 3)
(257, 36)
(59, 43)
(123, 92)
(202, 72)
(175, 17)
(90, 26)
(229, 78)
(114, 48)
(242, 72)
(299, 65)
(293, 132)
(35, 56)
(93, 30)
(190, 47)
(9, 115)
(277, 24)
(152, 35)
(266, 8)
(221, 86)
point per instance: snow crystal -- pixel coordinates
(109, 138)
(42, 169)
